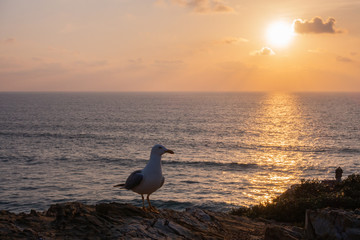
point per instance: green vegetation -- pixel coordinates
(310, 194)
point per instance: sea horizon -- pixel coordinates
(195, 91)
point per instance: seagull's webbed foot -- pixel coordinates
(153, 209)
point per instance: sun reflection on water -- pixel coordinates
(280, 126)
(278, 130)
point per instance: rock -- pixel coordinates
(332, 224)
(276, 232)
(75, 220)
(199, 214)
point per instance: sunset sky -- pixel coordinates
(179, 45)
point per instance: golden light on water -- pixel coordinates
(281, 124)
(278, 126)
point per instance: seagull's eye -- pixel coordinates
(160, 147)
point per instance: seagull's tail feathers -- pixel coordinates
(120, 185)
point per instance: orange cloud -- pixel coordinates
(265, 51)
(205, 6)
(233, 40)
(343, 59)
(316, 25)
(168, 62)
(8, 41)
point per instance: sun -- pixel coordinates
(279, 34)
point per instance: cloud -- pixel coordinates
(95, 63)
(168, 62)
(317, 50)
(8, 41)
(205, 6)
(232, 40)
(168, 65)
(343, 59)
(316, 25)
(265, 51)
(135, 64)
(136, 61)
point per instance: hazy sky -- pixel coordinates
(179, 45)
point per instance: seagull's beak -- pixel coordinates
(169, 151)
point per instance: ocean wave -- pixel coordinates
(231, 146)
(218, 165)
(57, 135)
(349, 150)
(289, 148)
(305, 149)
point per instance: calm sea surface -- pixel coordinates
(231, 149)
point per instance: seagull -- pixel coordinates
(149, 179)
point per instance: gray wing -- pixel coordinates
(133, 180)
(162, 181)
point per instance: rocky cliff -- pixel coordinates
(123, 221)
(75, 220)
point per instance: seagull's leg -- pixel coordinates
(142, 196)
(151, 208)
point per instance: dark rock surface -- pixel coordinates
(123, 221)
(276, 232)
(329, 223)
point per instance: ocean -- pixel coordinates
(231, 149)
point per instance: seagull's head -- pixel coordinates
(160, 150)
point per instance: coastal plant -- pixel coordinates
(309, 194)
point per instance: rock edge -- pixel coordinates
(75, 220)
